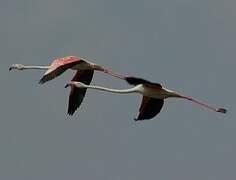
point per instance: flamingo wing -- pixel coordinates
(77, 94)
(136, 81)
(59, 66)
(149, 108)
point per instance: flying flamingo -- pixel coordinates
(153, 96)
(85, 71)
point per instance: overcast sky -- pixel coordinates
(186, 45)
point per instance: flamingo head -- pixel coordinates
(16, 66)
(75, 84)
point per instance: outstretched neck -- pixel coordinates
(119, 91)
(35, 67)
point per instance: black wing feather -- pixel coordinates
(58, 71)
(149, 108)
(77, 94)
(136, 81)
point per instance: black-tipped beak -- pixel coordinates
(67, 85)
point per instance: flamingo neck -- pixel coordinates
(35, 67)
(119, 91)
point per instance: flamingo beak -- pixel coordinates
(13, 66)
(68, 84)
(10, 68)
(71, 83)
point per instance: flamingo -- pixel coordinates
(153, 96)
(85, 71)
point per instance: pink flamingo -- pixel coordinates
(85, 71)
(153, 96)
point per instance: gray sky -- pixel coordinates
(186, 45)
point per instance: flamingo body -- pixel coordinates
(153, 96)
(60, 65)
(84, 74)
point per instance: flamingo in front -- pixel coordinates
(153, 96)
(84, 74)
